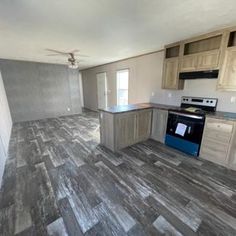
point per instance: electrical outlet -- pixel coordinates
(153, 94)
(233, 99)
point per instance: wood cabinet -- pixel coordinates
(159, 123)
(195, 54)
(125, 129)
(171, 73)
(188, 63)
(232, 154)
(217, 140)
(170, 76)
(107, 129)
(143, 128)
(209, 60)
(119, 130)
(202, 61)
(212, 51)
(227, 80)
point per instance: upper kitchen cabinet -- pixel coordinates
(213, 51)
(201, 53)
(171, 68)
(227, 77)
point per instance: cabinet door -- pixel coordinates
(232, 153)
(171, 74)
(227, 80)
(125, 129)
(209, 60)
(159, 122)
(216, 140)
(107, 130)
(143, 125)
(188, 63)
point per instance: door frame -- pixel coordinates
(106, 88)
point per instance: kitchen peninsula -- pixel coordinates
(123, 126)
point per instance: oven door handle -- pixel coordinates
(187, 115)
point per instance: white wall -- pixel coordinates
(145, 80)
(5, 127)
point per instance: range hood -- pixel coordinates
(208, 74)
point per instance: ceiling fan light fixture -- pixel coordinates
(73, 65)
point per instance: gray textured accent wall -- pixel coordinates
(39, 90)
(5, 127)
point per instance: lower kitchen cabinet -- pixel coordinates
(125, 129)
(217, 141)
(119, 130)
(159, 123)
(232, 153)
(143, 125)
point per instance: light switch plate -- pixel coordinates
(233, 99)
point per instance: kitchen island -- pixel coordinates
(122, 126)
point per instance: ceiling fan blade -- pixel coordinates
(80, 55)
(74, 51)
(79, 61)
(56, 54)
(56, 51)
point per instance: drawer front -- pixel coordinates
(216, 140)
(214, 145)
(216, 156)
(222, 137)
(219, 125)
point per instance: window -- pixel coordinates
(122, 77)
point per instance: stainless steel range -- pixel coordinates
(185, 125)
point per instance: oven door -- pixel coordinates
(184, 132)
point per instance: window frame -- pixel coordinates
(117, 88)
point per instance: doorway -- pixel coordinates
(102, 89)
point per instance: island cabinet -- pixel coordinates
(119, 130)
(125, 129)
(232, 154)
(159, 123)
(218, 142)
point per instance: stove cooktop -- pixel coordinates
(197, 105)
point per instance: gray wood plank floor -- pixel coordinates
(58, 180)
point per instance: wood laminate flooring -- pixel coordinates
(58, 180)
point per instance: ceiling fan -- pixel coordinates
(72, 61)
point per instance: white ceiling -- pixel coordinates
(105, 30)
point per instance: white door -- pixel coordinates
(102, 89)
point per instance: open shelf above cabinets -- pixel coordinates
(215, 51)
(172, 51)
(232, 39)
(203, 45)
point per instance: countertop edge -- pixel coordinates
(144, 106)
